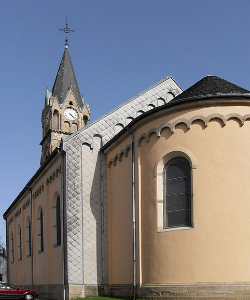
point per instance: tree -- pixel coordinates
(2, 248)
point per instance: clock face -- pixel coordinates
(70, 114)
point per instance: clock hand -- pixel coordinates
(71, 115)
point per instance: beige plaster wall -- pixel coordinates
(47, 266)
(217, 248)
(120, 222)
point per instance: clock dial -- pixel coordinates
(70, 114)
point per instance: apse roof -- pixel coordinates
(66, 79)
(211, 85)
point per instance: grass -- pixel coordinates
(98, 298)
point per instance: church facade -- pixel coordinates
(150, 200)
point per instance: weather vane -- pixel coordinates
(67, 31)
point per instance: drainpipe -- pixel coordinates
(31, 236)
(133, 213)
(7, 247)
(64, 226)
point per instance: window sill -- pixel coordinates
(174, 229)
(56, 246)
(39, 252)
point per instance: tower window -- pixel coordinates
(70, 103)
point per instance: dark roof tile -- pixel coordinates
(66, 79)
(211, 85)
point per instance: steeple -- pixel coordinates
(66, 80)
(64, 109)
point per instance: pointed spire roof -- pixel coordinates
(212, 86)
(66, 80)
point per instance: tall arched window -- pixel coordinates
(177, 193)
(28, 235)
(58, 221)
(11, 247)
(19, 239)
(40, 235)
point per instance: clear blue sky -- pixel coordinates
(119, 48)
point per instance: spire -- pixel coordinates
(66, 80)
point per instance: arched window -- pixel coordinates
(177, 193)
(58, 221)
(40, 234)
(19, 239)
(11, 247)
(28, 235)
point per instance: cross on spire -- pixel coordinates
(66, 30)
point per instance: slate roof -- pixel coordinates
(211, 85)
(66, 79)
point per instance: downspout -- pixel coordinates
(133, 213)
(64, 231)
(7, 247)
(31, 236)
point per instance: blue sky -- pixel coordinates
(118, 49)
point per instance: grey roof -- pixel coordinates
(66, 79)
(211, 85)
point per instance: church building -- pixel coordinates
(148, 201)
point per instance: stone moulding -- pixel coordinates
(119, 156)
(188, 123)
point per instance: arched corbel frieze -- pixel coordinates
(246, 117)
(198, 118)
(181, 121)
(163, 126)
(235, 116)
(217, 116)
(188, 123)
(150, 132)
(119, 156)
(127, 149)
(141, 137)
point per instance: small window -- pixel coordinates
(177, 193)
(58, 222)
(40, 235)
(28, 234)
(11, 247)
(19, 239)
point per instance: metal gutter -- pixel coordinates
(133, 213)
(64, 221)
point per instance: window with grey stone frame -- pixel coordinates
(28, 234)
(58, 221)
(177, 193)
(12, 247)
(19, 240)
(40, 234)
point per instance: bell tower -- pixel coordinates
(64, 109)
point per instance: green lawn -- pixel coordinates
(98, 298)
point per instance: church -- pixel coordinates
(149, 201)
